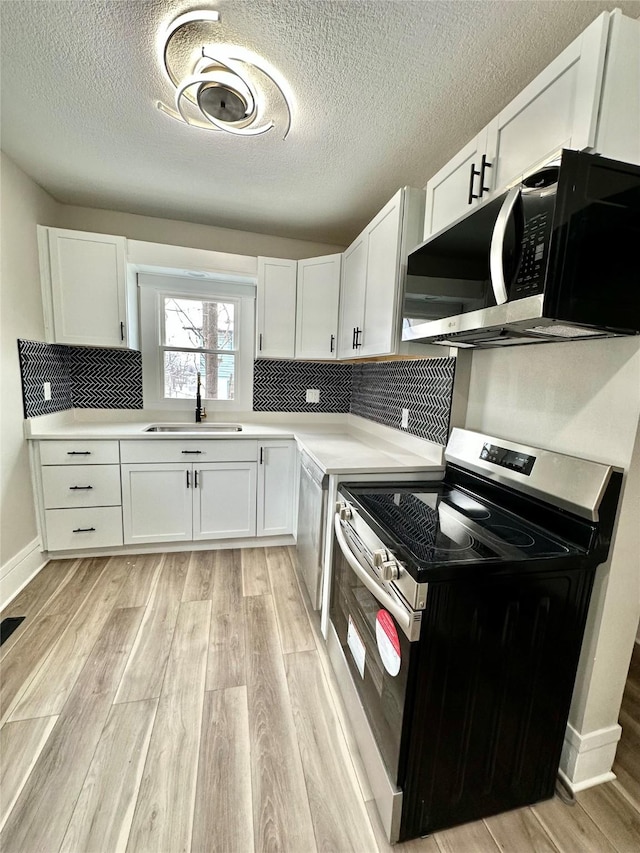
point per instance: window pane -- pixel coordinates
(198, 323)
(217, 375)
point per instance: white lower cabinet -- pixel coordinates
(173, 501)
(276, 487)
(90, 527)
(156, 502)
(224, 500)
(79, 494)
(163, 490)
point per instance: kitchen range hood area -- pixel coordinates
(303, 497)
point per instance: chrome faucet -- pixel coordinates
(201, 412)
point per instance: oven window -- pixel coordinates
(378, 655)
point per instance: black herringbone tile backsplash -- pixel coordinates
(280, 386)
(80, 377)
(375, 390)
(88, 377)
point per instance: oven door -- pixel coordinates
(375, 654)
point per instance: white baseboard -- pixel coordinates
(162, 547)
(587, 758)
(19, 570)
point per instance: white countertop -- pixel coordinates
(337, 449)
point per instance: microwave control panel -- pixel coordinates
(535, 243)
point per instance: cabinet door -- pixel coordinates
(383, 260)
(317, 307)
(276, 308)
(450, 192)
(224, 500)
(352, 289)
(157, 502)
(558, 109)
(276, 487)
(87, 281)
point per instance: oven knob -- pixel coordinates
(389, 569)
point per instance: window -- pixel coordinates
(190, 328)
(198, 337)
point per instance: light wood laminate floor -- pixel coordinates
(184, 702)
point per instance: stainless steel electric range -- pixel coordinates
(457, 615)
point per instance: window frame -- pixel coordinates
(153, 289)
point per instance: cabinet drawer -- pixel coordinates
(190, 450)
(80, 485)
(79, 452)
(89, 527)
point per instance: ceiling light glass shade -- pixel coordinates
(219, 87)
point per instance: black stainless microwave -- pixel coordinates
(555, 258)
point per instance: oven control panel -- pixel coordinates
(512, 459)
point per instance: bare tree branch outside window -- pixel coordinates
(199, 337)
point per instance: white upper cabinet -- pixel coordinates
(352, 294)
(318, 292)
(464, 181)
(84, 289)
(558, 109)
(383, 265)
(588, 98)
(373, 270)
(276, 308)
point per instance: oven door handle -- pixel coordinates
(399, 613)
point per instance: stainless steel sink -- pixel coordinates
(194, 428)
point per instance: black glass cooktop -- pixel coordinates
(445, 525)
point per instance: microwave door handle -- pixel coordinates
(398, 612)
(496, 265)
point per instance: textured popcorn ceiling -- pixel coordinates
(385, 92)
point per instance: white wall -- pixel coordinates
(23, 205)
(176, 233)
(580, 398)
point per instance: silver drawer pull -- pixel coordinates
(79, 488)
(83, 530)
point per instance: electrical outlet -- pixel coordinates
(46, 390)
(404, 423)
(313, 395)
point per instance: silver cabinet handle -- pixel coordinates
(401, 616)
(496, 265)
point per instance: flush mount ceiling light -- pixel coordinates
(218, 86)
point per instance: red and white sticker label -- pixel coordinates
(388, 642)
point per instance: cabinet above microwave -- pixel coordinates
(552, 259)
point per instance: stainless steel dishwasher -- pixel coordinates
(312, 515)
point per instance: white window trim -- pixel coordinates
(152, 290)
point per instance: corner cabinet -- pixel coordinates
(276, 487)
(297, 307)
(587, 99)
(84, 289)
(276, 308)
(373, 270)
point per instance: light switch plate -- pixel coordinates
(46, 390)
(404, 423)
(313, 395)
